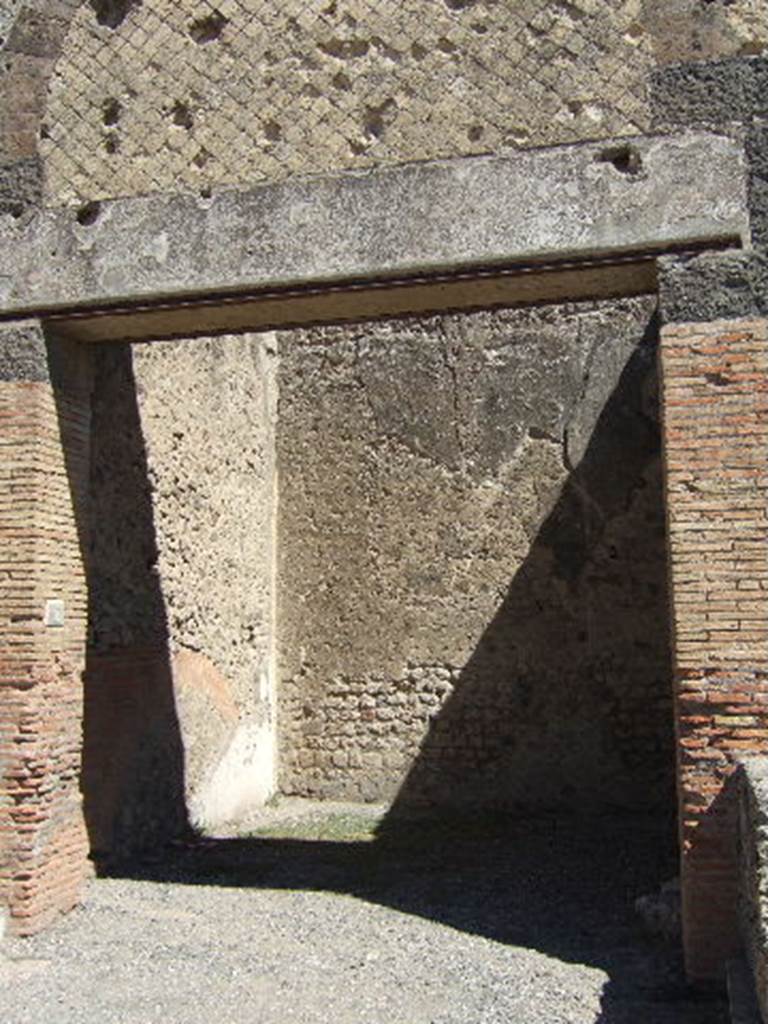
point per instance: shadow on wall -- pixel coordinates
(133, 758)
(563, 884)
(566, 701)
(557, 694)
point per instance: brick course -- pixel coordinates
(715, 399)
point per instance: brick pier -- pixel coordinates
(44, 443)
(715, 399)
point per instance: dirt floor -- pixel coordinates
(320, 915)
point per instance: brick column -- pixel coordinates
(44, 444)
(715, 399)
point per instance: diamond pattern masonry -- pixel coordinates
(185, 94)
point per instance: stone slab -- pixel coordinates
(710, 92)
(23, 354)
(571, 202)
(713, 286)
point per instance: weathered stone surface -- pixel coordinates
(692, 30)
(757, 156)
(753, 889)
(551, 204)
(713, 286)
(250, 90)
(466, 616)
(20, 187)
(228, 746)
(722, 92)
(709, 92)
(39, 30)
(23, 354)
(181, 593)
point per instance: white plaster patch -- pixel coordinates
(244, 778)
(158, 247)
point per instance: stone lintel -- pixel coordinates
(597, 200)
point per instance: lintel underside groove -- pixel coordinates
(366, 300)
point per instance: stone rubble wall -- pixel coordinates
(472, 574)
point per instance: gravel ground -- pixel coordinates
(309, 920)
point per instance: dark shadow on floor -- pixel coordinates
(564, 887)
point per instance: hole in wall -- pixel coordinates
(341, 82)
(625, 159)
(383, 47)
(88, 213)
(112, 13)
(571, 10)
(182, 116)
(376, 119)
(273, 131)
(208, 29)
(344, 49)
(110, 111)
(112, 144)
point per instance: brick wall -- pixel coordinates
(715, 387)
(44, 432)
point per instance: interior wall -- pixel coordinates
(472, 582)
(179, 698)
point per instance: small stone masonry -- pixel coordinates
(44, 444)
(715, 400)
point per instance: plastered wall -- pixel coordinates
(472, 588)
(180, 668)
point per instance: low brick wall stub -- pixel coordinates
(44, 440)
(715, 400)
